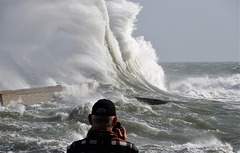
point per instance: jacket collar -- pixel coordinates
(102, 134)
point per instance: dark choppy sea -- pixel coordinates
(202, 115)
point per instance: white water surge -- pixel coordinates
(70, 42)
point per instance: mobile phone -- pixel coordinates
(118, 125)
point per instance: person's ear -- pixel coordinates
(90, 119)
(114, 121)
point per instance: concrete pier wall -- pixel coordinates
(29, 96)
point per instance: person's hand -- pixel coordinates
(121, 133)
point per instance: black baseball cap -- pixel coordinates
(104, 107)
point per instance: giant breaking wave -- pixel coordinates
(70, 42)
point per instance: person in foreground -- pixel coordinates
(100, 137)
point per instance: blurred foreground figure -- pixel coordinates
(101, 138)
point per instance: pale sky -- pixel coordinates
(191, 30)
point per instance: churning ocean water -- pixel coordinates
(73, 42)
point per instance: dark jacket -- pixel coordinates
(102, 142)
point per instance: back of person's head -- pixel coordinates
(103, 113)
